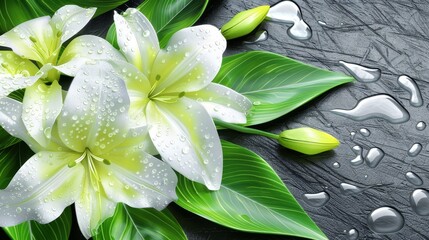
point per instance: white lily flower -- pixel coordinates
(171, 90)
(40, 40)
(93, 159)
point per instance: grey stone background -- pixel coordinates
(392, 35)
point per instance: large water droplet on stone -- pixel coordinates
(316, 199)
(419, 201)
(376, 106)
(289, 12)
(361, 73)
(385, 220)
(415, 150)
(373, 157)
(409, 85)
(413, 178)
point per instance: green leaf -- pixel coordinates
(167, 17)
(6, 140)
(9, 164)
(14, 12)
(145, 223)
(11, 159)
(251, 198)
(58, 229)
(275, 84)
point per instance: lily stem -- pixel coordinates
(244, 129)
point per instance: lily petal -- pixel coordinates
(190, 62)
(138, 179)
(137, 39)
(138, 88)
(32, 39)
(186, 137)
(83, 49)
(16, 73)
(41, 106)
(95, 111)
(41, 189)
(137, 137)
(70, 19)
(92, 208)
(223, 103)
(11, 121)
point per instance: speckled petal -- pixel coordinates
(137, 39)
(138, 179)
(70, 19)
(16, 73)
(139, 138)
(37, 49)
(41, 106)
(95, 111)
(41, 189)
(191, 60)
(138, 88)
(83, 49)
(185, 136)
(92, 208)
(223, 103)
(11, 121)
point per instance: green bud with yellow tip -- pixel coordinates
(244, 22)
(307, 140)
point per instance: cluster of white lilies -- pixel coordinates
(94, 144)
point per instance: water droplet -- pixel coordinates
(415, 150)
(336, 165)
(376, 106)
(362, 73)
(385, 220)
(353, 234)
(18, 210)
(256, 103)
(409, 85)
(373, 157)
(352, 135)
(185, 150)
(316, 199)
(300, 31)
(289, 12)
(365, 132)
(421, 126)
(349, 189)
(259, 36)
(413, 178)
(358, 160)
(322, 23)
(419, 201)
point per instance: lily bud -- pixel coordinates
(244, 22)
(307, 140)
